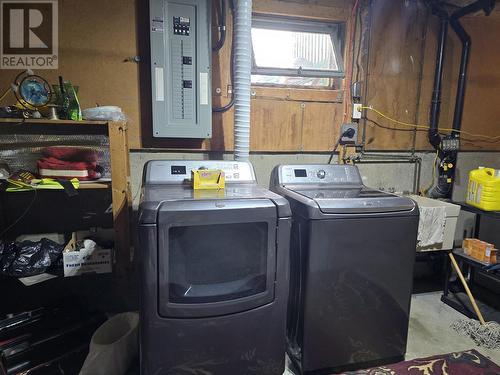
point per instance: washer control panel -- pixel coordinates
(334, 174)
(179, 171)
(321, 174)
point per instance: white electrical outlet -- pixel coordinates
(357, 111)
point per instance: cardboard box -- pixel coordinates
(84, 261)
(467, 245)
(480, 250)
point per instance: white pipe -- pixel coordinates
(242, 78)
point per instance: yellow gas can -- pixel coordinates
(484, 189)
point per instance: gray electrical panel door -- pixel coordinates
(180, 68)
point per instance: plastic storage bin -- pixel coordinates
(484, 189)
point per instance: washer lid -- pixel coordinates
(355, 200)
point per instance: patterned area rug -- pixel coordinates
(469, 362)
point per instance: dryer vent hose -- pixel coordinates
(242, 78)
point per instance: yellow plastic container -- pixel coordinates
(208, 179)
(484, 189)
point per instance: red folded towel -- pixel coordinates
(54, 168)
(70, 153)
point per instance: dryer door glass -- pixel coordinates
(212, 263)
(216, 257)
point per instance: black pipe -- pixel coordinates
(221, 15)
(229, 105)
(440, 190)
(487, 6)
(434, 137)
(462, 77)
(446, 180)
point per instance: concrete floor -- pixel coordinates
(430, 332)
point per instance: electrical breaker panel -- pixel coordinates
(181, 68)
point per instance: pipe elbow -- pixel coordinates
(489, 7)
(434, 138)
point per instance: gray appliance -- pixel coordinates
(214, 271)
(352, 256)
(181, 68)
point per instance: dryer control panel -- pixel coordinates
(179, 171)
(319, 174)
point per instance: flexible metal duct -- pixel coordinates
(242, 78)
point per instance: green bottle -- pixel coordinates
(74, 110)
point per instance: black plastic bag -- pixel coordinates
(7, 255)
(28, 258)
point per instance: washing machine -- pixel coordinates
(352, 257)
(214, 272)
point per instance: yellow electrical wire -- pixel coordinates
(417, 126)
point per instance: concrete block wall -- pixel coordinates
(397, 177)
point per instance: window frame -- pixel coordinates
(336, 29)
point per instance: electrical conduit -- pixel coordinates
(242, 78)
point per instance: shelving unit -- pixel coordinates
(120, 169)
(472, 267)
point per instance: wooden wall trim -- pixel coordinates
(334, 10)
(298, 94)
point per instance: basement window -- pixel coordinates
(301, 53)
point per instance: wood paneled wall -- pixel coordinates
(394, 73)
(401, 76)
(482, 100)
(97, 37)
